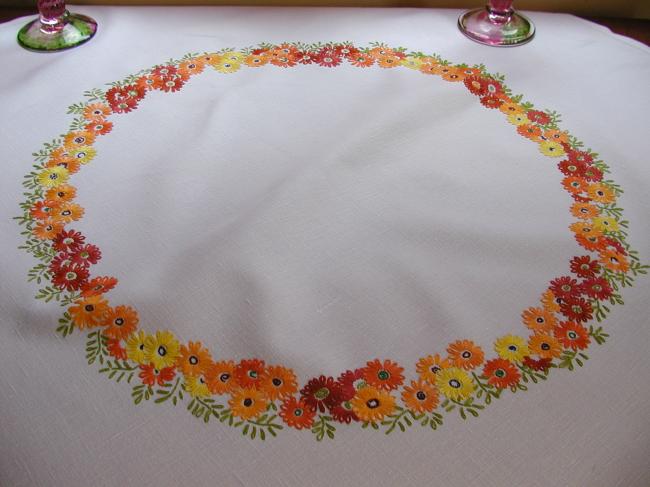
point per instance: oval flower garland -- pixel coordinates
(260, 398)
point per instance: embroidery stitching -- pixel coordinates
(261, 397)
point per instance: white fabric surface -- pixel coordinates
(320, 219)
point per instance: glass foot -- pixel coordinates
(71, 31)
(483, 26)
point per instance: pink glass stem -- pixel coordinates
(51, 15)
(500, 11)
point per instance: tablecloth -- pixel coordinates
(324, 247)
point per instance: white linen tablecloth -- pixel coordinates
(321, 219)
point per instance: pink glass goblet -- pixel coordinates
(55, 28)
(496, 25)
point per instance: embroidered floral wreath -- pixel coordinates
(260, 398)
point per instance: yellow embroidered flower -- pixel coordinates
(511, 347)
(372, 405)
(411, 62)
(225, 66)
(518, 119)
(52, 176)
(551, 148)
(197, 387)
(233, 56)
(162, 349)
(455, 383)
(83, 154)
(605, 224)
(135, 347)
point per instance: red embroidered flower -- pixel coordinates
(98, 285)
(540, 365)
(68, 241)
(579, 156)
(493, 87)
(86, 255)
(350, 382)
(584, 266)
(387, 375)
(70, 277)
(576, 309)
(124, 99)
(164, 72)
(58, 262)
(320, 393)
(538, 117)
(571, 168)
(296, 413)
(249, 373)
(501, 373)
(565, 287)
(491, 101)
(115, 349)
(592, 173)
(346, 50)
(597, 288)
(572, 335)
(306, 57)
(611, 242)
(343, 412)
(328, 58)
(150, 375)
(591, 242)
(476, 85)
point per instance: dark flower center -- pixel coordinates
(383, 375)
(277, 382)
(119, 321)
(545, 346)
(454, 383)
(500, 373)
(466, 354)
(421, 395)
(89, 308)
(248, 402)
(224, 377)
(512, 348)
(193, 360)
(162, 351)
(372, 403)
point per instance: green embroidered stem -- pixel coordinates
(165, 393)
(96, 347)
(484, 388)
(598, 334)
(203, 408)
(66, 326)
(323, 427)
(141, 392)
(568, 357)
(118, 369)
(398, 419)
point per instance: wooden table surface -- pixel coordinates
(638, 29)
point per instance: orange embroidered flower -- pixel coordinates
(511, 108)
(67, 212)
(431, 68)
(549, 302)
(544, 346)
(591, 242)
(74, 140)
(420, 397)
(256, 60)
(453, 75)
(601, 193)
(584, 211)
(247, 403)
(279, 382)
(115, 349)
(47, 229)
(120, 322)
(372, 405)
(296, 414)
(249, 373)
(43, 210)
(98, 285)
(151, 375)
(429, 366)
(191, 67)
(539, 320)
(532, 132)
(556, 135)
(220, 377)
(88, 312)
(386, 375)
(574, 185)
(361, 60)
(388, 61)
(572, 335)
(194, 359)
(501, 373)
(69, 164)
(614, 261)
(96, 112)
(61, 193)
(465, 354)
(381, 51)
(99, 128)
(585, 229)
